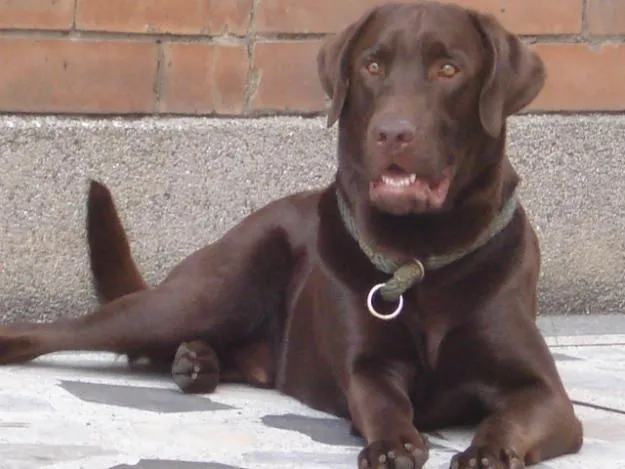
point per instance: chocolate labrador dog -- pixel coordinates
(402, 296)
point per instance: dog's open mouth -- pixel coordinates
(400, 192)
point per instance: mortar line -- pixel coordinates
(74, 15)
(251, 38)
(585, 27)
(185, 38)
(159, 78)
(130, 116)
(250, 82)
(117, 36)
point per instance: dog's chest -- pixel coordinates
(427, 326)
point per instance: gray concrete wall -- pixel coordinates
(180, 183)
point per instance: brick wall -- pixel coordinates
(234, 57)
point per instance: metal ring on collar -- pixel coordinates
(383, 317)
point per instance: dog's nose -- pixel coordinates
(394, 132)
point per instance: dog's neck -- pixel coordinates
(476, 203)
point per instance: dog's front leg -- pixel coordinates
(381, 411)
(534, 424)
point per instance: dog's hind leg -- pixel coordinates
(228, 294)
(197, 369)
(195, 366)
(184, 308)
(113, 268)
(121, 326)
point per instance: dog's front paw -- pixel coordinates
(481, 457)
(393, 455)
(195, 368)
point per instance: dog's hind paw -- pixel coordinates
(17, 345)
(393, 455)
(487, 458)
(195, 368)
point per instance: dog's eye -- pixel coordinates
(448, 70)
(374, 68)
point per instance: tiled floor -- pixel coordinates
(88, 411)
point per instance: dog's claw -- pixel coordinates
(388, 455)
(487, 458)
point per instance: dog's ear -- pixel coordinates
(333, 62)
(515, 77)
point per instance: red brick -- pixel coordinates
(165, 16)
(606, 16)
(56, 75)
(535, 17)
(582, 78)
(319, 16)
(286, 77)
(327, 16)
(204, 79)
(36, 14)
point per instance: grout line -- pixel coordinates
(553, 327)
(588, 340)
(598, 407)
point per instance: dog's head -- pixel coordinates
(423, 88)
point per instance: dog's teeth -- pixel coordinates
(399, 182)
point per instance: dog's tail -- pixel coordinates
(114, 272)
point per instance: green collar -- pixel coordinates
(405, 275)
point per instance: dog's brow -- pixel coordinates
(379, 50)
(432, 45)
(433, 48)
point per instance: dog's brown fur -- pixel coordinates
(279, 300)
